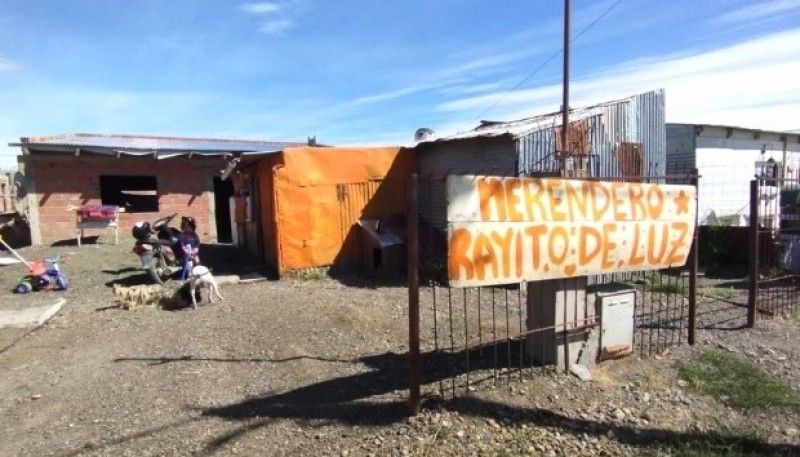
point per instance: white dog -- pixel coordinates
(201, 277)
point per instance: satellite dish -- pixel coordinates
(424, 134)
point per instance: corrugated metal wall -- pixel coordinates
(681, 148)
(364, 200)
(321, 192)
(638, 119)
(495, 156)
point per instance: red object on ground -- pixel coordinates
(37, 269)
(98, 212)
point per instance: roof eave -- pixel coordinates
(161, 153)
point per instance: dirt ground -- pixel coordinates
(318, 367)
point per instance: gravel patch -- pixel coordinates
(318, 368)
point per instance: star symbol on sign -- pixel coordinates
(682, 202)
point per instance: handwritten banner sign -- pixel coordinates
(508, 230)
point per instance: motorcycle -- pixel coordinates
(163, 255)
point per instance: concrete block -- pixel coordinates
(550, 304)
(31, 316)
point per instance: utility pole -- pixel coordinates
(565, 100)
(555, 302)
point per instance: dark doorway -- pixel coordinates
(223, 191)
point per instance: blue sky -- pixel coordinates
(372, 72)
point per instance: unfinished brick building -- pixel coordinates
(149, 176)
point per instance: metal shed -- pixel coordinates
(625, 137)
(728, 158)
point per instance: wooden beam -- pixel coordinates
(77, 152)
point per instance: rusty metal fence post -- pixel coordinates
(752, 294)
(693, 261)
(414, 362)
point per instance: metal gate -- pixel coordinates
(463, 336)
(774, 257)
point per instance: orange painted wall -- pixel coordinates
(317, 194)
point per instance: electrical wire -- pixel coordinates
(549, 59)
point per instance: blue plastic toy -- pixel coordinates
(44, 275)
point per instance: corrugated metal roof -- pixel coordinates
(525, 126)
(637, 119)
(143, 145)
(743, 129)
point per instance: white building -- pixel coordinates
(727, 159)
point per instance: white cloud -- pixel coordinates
(7, 65)
(494, 63)
(750, 84)
(470, 89)
(754, 12)
(260, 8)
(390, 95)
(454, 79)
(276, 27)
(467, 70)
(71, 109)
(280, 18)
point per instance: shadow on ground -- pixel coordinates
(222, 259)
(74, 241)
(227, 259)
(368, 281)
(349, 400)
(135, 279)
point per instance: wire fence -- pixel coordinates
(775, 247)
(471, 335)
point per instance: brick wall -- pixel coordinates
(184, 187)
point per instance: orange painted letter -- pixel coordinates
(535, 232)
(518, 257)
(608, 246)
(459, 246)
(619, 203)
(635, 260)
(597, 189)
(483, 255)
(534, 199)
(512, 199)
(559, 232)
(655, 208)
(585, 257)
(654, 258)
(553, 186)
(579, 199)
(491, 191)
(635, 193)
(504, 243)
(676, 256)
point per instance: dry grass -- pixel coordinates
(148, 296)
